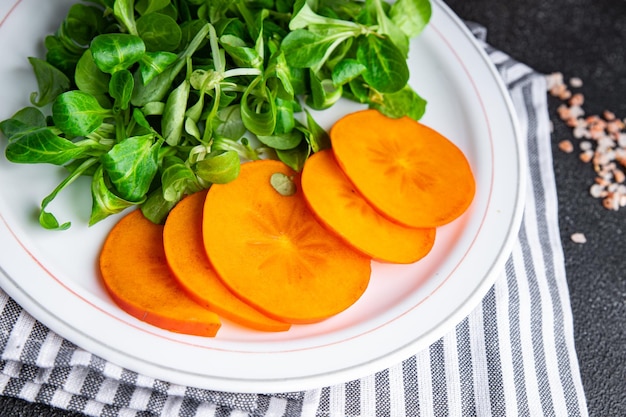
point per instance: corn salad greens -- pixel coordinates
(156, 99)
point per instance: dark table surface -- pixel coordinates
(584, 39)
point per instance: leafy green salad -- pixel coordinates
(157, 99)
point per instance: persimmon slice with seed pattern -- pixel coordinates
(185, 254)
(354, 219)
(408, 171)
(270, 250)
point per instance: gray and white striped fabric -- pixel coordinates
(513, 355)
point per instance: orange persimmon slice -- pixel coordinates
(136, 275)
(332, 197)
(406, 170)
(269, 249)
(185, 254)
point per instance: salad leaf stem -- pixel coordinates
(47, 219)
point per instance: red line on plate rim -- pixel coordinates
(11, 10)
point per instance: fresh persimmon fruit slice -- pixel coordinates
(333, 198)
(138, 278)
(405, 169)
(270, 250)
(185, 254)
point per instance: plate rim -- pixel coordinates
(57, 324)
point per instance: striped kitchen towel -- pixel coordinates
(513, 355)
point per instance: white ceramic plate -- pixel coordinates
(53, 274)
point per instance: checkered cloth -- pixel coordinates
(513, 355)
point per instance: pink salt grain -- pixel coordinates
(575, 82)
(566, 146)
(578, 238)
